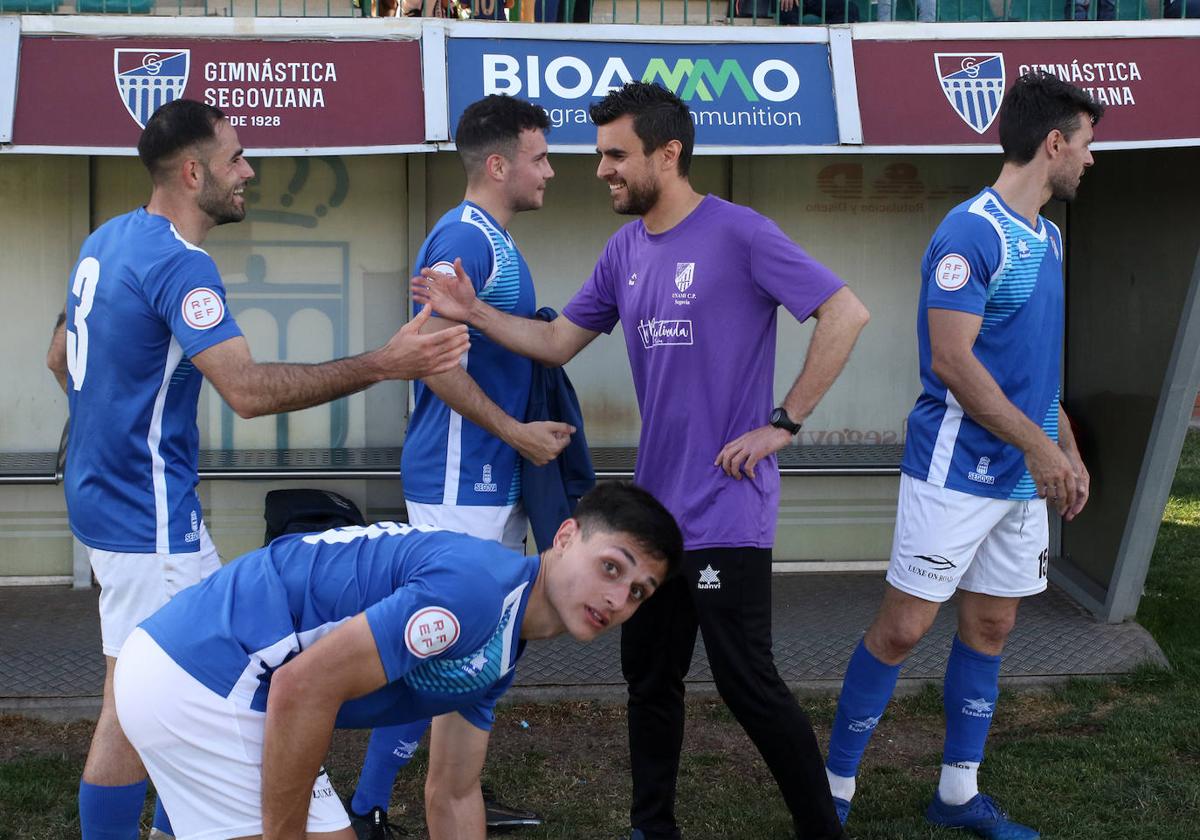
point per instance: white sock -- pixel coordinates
(841, 786)
(959, 782)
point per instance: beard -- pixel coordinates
(639, 199)
(530, 202)
(220, 206)
(1063, 188)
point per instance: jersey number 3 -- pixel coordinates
(84, 288)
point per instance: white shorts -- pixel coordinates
(202, 751)
(947, 540)
(506, 525)
(134, 586)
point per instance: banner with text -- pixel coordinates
(278, 94)
(739, 94)
(948, 92)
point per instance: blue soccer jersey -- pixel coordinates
(445, 610)
(141, 303)
(985, 259)
(447, 459)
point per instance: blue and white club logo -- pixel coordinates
(973, 84)
(149, 79)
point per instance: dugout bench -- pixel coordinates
(384, 463)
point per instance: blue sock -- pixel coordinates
(161, 822)
(390, 748)
(866, 690)
(110, 813)
(969, 697)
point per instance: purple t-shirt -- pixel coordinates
(698, 304)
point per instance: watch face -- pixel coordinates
(780, 420)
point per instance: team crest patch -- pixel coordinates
(973, 84)
(952, 272)
(430, 630)
(683, 275)
(203, 309)
(149, 79)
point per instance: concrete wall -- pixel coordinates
(1135, 232)
(43, 221)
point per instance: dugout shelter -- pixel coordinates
(856, 139)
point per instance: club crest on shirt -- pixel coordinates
(952, 272)
(683, 275)
(203, 309)
(430, 630)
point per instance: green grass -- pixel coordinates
(1115, 758)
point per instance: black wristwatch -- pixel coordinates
(780, 420)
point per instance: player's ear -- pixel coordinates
(495, 165)
(566, 531)
(190, 171)
(1055, 140)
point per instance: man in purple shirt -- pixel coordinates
(697, 282)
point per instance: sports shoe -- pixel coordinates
(373, 825)
(842, 806)
(980, 815)
(499, 815)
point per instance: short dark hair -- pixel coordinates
(493, 126)
(659, 117)
(1035, 105)
(174, 126)
(625, 508)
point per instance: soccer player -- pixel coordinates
(697, 283)
(230, 693)
(988, 444)
(466, 436)
(145, 319)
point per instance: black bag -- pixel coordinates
(306, 511)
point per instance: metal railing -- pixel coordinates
(734, 12)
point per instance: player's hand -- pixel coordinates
(1053, 475)
(1083, 485)
(541, 441)
(411, 354)
(451, 295)
(787, 5)
(743, 453)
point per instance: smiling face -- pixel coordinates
(226, 172)
(1074, 156)
(527, 172)
(631, 174)
(600, 579)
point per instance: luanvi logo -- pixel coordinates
(866, 724)
(977, 707)
(709, 578)
(942, 564)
